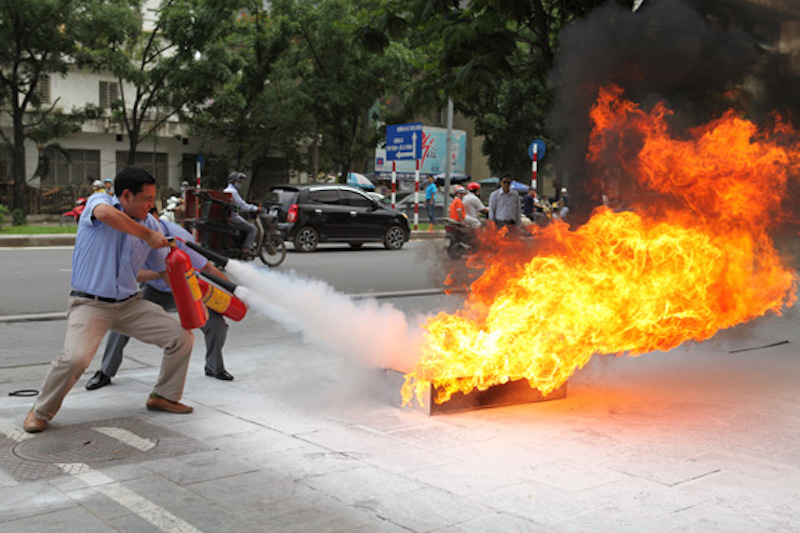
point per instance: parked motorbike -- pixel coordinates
(461, 239)
(72, 216)
(219, 235)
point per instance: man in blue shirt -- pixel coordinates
(111, 246)
(430, 201)
(158, 291)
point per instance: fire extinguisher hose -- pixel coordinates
(218, 259)
(225, 284)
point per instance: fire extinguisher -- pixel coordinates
(185, 289)
(221, 300)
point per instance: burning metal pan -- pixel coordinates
(511, 393)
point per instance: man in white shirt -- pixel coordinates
(473, 206)
(504, 208)
(235, 179)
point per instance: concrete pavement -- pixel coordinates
(704, 438)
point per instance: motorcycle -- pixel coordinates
(461, 239)
(72, 216)
(217, 233)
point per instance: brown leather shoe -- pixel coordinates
(33, 424)
(159, 403)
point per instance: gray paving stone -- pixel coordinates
(328, 517)
(250, 491)
(497, 523)
(363, 484)
(30, 499)
(198, 467)
(540, 503)
(428, 509)
(62, 521)
(745, 493)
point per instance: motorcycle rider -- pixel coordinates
(235, 179)
(457, 205)
(473, 205)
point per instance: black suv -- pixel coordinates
(314, 213)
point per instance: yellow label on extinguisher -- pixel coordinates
(194, 287)
(217, 300)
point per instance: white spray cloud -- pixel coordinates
(372, 333)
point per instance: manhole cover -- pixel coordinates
(108, 442)
(84, 445)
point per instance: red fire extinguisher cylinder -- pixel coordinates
(185, 289)
(222, 301)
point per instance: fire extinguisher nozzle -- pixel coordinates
(217, 259)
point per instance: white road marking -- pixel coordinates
(144, 508)
(13, 431)
(160, 518)
(127, 437)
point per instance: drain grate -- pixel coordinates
(102, 444)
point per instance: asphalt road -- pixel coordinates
(37, 280)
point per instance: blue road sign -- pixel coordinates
(404, 141)
(539, 149)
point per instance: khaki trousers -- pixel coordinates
(88, 321)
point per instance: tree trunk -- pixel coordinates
(133, 142)
(18, 161)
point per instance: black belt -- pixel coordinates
(81, 294)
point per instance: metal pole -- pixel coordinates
(394, 182)
(448, 148)
(416, 196)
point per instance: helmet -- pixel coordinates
(563, 190)
(473, 186)
(109, 180)
(236, 175)
(97, 183)
(459, 189)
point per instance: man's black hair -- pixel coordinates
(133, 179)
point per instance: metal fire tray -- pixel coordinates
(511, 393)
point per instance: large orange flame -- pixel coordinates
(634, 281)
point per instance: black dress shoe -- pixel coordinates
(224, 376)
(98, 380)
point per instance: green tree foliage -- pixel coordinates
(167, 64)
(343, 56)
(40, 38)
(255, 109)
(493, 58)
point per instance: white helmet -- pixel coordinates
(563, 190)
(97, 183)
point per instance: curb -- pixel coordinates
(22, 241)
(68, 239)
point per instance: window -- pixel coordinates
(324, 196)
(43, 89)
(109, 92)
(355, 199)
(154, 162)
(73, 169)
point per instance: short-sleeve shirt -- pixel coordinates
(472, 205)
(105, 261)
(170, 229)
(457, 209)
(430, 191)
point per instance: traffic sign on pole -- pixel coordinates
(404, 142)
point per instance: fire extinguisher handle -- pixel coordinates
(225, 284)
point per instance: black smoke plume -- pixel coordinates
(666, 51)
